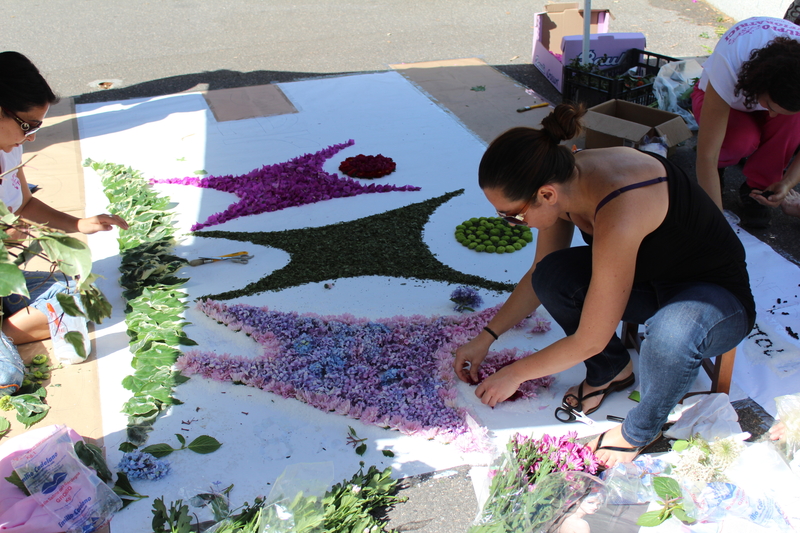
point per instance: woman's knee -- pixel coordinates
(711, 323)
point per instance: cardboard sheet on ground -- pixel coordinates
(177, 136)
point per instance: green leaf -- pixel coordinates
(15, 480)
(68, 304)
(362, 449)
(387, 453)
(681, 515)
(5, 425)
(29, 420)
(127, 447)
(125, 490)
(92, 456)
(180, 438)
(159, 450)
(650, 519)
(75, 338)
(635, 396)
(666, 487)
(200, 172)
(72, 256)
(680, 445)
(12, 281)
(204, 444)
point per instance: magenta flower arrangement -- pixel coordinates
(395, 373)
(298, 181)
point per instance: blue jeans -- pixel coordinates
(42, 287)
(684, 323)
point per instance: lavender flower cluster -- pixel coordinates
(141, 465)
(395, 373)
(466, 299)
(298, 181)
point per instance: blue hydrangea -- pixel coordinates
(466, 299)
(141, 465)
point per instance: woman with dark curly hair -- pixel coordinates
(747, 104)
(659, 253)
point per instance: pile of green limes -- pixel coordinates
(492, 235)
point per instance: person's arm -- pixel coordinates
(713, 125)
(35, 210)
(522, 302)
(614, 250)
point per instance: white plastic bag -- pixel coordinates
(672, 88)
(64, 486)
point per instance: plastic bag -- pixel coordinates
(294, 504)
(673, 88)
(789, 413)
(559, 498)
(631, 483)
(655, 145)
(718, 501)
(64, 486)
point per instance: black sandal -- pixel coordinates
(568, 412)
(624, 449)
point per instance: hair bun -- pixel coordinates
(564, 122)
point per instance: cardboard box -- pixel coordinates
(549, 29)
(620, 123)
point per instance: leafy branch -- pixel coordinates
(361, 444)
(670, 493)
(21, 241)
(202, 444)
(154, 303)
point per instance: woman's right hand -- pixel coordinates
(469, 357)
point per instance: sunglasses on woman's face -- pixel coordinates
(28, 127)
(519, 218)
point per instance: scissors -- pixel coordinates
(238, 257)
(567, 413)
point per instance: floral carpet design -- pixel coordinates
(386, 244)
(395, 373)
(298, 181)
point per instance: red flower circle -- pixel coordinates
(367, 166)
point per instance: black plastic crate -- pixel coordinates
(592, 89)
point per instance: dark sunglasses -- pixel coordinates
(28, 127)
(519, 218)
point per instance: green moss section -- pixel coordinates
(387, 244)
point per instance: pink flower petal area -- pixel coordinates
(395, 373)
(298, 181)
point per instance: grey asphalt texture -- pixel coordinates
(154, 48)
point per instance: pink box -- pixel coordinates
(549, 29)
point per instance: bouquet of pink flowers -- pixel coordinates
(535, 480)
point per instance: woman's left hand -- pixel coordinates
(498, 387)
(103, 222)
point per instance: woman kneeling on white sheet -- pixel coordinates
(659, 253)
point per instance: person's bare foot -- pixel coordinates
(791, 204)
(613, 438)
(591, 403)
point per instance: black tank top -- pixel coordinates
(694, 243)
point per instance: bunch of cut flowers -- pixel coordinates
(534, 481)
